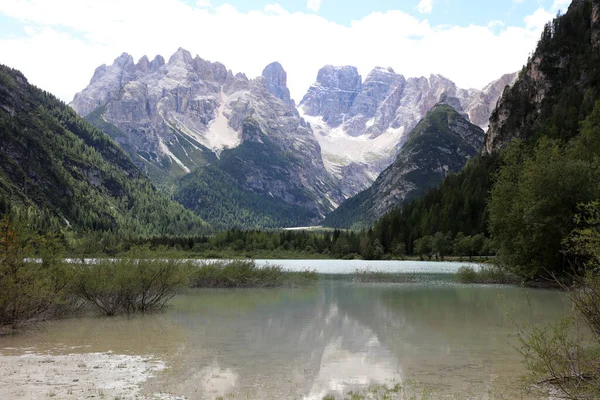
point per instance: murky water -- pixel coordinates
(434, 337)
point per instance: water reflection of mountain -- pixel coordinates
(274, 344)
(451, 338)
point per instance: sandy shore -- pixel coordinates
(77, 376)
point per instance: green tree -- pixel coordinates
(441, 245)
(423, 246)
(533, 203)
(28, 289)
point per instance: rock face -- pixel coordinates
(596, 23)
(181, 115)
(554, 78)
(276, 80)
(177, 116)
(441, 143)
(362, 127)
(333, 94)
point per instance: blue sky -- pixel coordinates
(444, 12)
(59, 43)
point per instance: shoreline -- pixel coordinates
(33, 376)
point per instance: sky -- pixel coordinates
(58, 44)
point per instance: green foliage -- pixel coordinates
(471, 245)
(71, 173)
(582, 246)
(423, 246)
(134, 283)
(569, 63)
(244, 274)
(430, 144)
(220, 200)
(536, 196)
(29, 290)
(457, 206)
(486, 274)
(564, 354)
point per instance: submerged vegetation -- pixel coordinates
(36, 282)
(245, 274)
(486, 274)
(369, 276)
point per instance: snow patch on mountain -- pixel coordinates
(220, 135)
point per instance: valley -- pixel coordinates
(177, 230)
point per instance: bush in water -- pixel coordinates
(230, 274)
(132, 283)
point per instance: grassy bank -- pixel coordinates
(49, 288)
(486, 274)
(246, 274)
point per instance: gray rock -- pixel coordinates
(382, 111)
(276, 80)
(441, 143)
(177, 116)
(333, 94)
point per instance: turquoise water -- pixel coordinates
(435, 338)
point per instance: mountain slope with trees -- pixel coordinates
(64, 172)
(529, 191)
(440, 144)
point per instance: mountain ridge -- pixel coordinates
(72, 174)
(187, 113)
(441, 143)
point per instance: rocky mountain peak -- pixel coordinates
(333, 94)
(276, 81)
(344, 78)
(123, 60)
(158, 62)
(362, 127)
(181, 56)
(143, 64)
(454, 102)
(440, 144)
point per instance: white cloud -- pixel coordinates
(314, 5)
(538, 19)
(425, 6)
(62, 61)
(496, 23)
(203, 3)
(560, 5)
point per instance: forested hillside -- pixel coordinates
(219, 199)
(532, 194)
(441, 143)
(61, 171)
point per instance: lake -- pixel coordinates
(434, 338)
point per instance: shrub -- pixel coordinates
(466, 275)
(29, 289)
(244, 274)
(486, 274)
(563, 354)
(131, 284)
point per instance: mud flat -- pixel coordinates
(77, 376)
